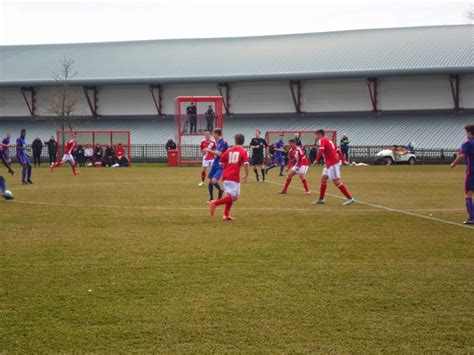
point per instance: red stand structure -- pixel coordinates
(188, 142)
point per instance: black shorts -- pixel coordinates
(257, 159)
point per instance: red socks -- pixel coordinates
(227, 201)
(322, 191)
(344, 191)
(203, 176)
(305, 184)
(73, 167)
(287, 183)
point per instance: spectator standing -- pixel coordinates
(80, 155)
(344, 145)
(210, 118)
(191, 111)
(98, 154)
(170, 144)
(52, 150)
(37, 148)
(298, 140)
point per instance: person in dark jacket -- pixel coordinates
(98, 154)
(109, 156)
(210, 118)
(170, 144)
(80, 156)
(344, 145)
(37, 148)
(191, 111)
(52, 149)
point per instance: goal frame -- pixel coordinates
(60, 142)
(216, 101)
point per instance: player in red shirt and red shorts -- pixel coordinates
(332, 160)
(67, 157)
(298, 164)
(232, 160)
(207, 158)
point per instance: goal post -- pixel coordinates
(91, 138)
(307, 137)
(191, 126)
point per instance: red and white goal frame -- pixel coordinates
(307, 137)
(92, 138)
(188, 142)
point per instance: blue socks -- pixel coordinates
(29, 172)
(23, 174)
(218, 187)
(469, 208)
(3, 185)
(211, 191)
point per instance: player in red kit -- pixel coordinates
(232, 160)
(207, 158)
(332, 160)
(67, 157)
(298, 164)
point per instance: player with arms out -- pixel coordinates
(216, 169)
(232, 160)
(278, 159)
(332, 161)
(467, 153)
(23, 158)
(67, 157)
(298, 165)
(5, 153)
(207, 158)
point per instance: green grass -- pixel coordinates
(286, 276)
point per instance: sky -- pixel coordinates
(73, 21)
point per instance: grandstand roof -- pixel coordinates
(359, 53)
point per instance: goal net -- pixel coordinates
(194, 116)
(92, 138)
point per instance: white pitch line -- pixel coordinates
(390, 209)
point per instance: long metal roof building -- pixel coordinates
(346, 54)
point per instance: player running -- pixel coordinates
(207, 158)
(5, 153)
(23, 158)
(67, 157)
(278, 159)
(298, 164)
(331, 170)
(216, 170)
(232, 160)
(467, 153)
(258, 146)
(3, 189)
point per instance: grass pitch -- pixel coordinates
(130, 260)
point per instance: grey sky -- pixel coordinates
(55, 21)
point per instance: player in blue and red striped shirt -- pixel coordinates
(467, 153)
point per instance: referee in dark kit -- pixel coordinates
(258, 146)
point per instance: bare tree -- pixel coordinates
(63, 103)
(470, 13)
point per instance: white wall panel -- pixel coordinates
(467, 91)
(415, 93)
(261, 97)
(125, 100)
(12, 103)
(44, 95)
(336, 95)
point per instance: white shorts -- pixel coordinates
(69, 158)
(206, 163)
(302, 170)
(232, 188)
(333, 172)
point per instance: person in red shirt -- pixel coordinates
(232, 160)
(67, 157)
(333, 158)
(298, 165)
(207, 158)
(120, 153)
